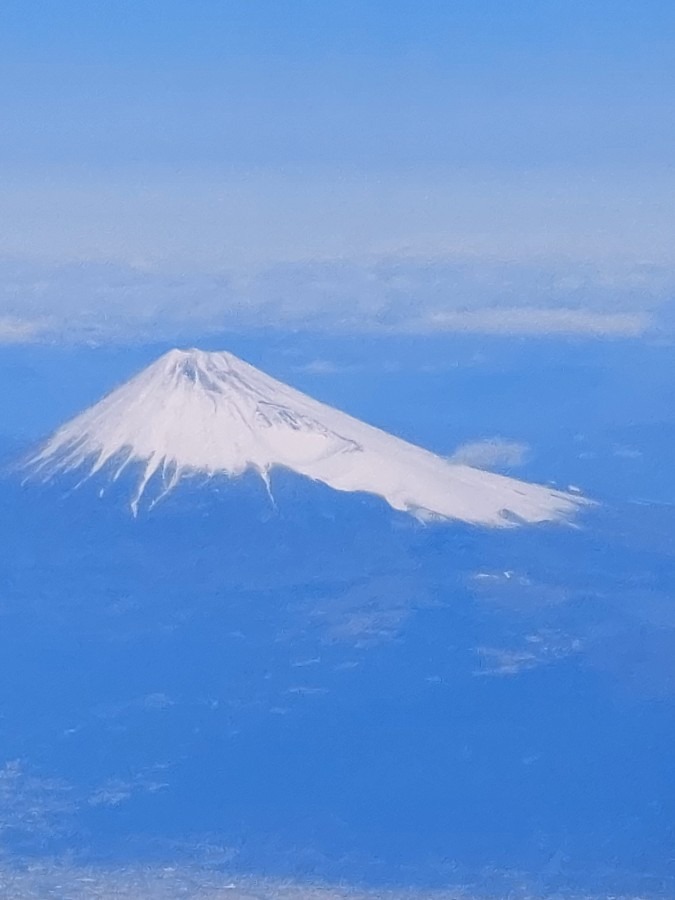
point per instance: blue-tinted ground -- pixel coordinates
(327, 689)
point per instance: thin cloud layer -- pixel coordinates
(116, 302)
(493, 453)
(540, 321)
(16, 331)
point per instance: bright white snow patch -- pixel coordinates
(196, 412)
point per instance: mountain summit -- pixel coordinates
(193, 412)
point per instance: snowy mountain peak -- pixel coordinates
(194, 364)
(194, 412)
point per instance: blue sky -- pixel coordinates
(223, 139)
(357, 84)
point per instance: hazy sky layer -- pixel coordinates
(199, 138)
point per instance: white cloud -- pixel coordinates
(321, 367)
(15, 331)
(539, 321)
(493, 453)
(394, 294)
(627, 453)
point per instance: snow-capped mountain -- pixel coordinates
(193, 412)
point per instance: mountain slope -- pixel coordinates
(195, 412)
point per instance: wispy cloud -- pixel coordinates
(115, 302)
(539, 321)
(493, 453)
(16, 331)
(321, 367)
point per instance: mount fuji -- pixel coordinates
(194, 412)
(320, 690)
